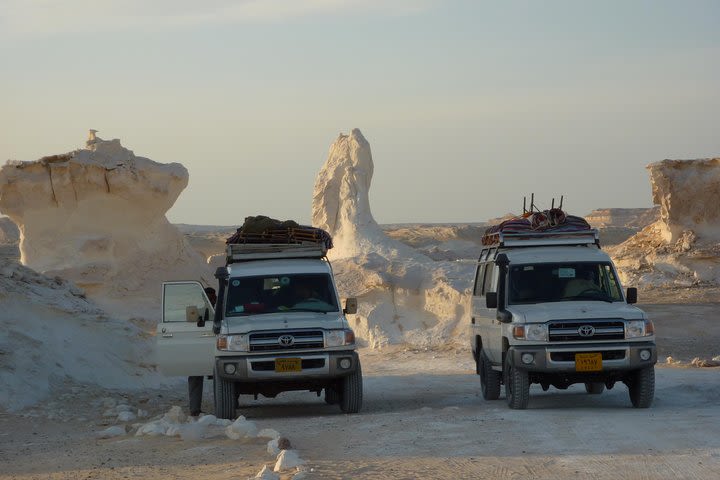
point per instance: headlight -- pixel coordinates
(639, 328)
(533, 331)
(233, 343)
(338, 338)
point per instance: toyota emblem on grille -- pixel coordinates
(586, 331)
(286, 340)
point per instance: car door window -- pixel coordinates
(178, 297)
(479, 277)
(490, 277)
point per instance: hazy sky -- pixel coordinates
(468, 105)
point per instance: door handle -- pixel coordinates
(207, 335)
(167, 334)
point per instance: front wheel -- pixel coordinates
(490, 380)
(351, 395)
(225, 398)
(517, 386)
(642, 387)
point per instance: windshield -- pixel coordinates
(563, 282)
(308, 292)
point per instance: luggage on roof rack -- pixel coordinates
(263, 237)
(553, 221)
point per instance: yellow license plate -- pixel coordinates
(588, 362)
(288, 365)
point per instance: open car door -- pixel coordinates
(185, 340)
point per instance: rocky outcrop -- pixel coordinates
(682, 248)
(688, 193)
(96, 216)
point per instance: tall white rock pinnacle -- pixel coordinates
(403, 295)
(341, 199)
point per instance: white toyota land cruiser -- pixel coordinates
(278, 327)
(548, 308)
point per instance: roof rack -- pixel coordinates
(536, 239)
(241, 252)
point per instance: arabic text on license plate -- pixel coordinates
(588, 362)
(288, 365)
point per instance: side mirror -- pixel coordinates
(192, 314)
(631, 295)
(491, 300)
(350, 306)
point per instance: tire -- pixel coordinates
(642, 387)
(352, 392)
(490, 380)
(594, 388)
(332, 396)
(225, 398)
(517, 386)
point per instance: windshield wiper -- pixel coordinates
(305, 310)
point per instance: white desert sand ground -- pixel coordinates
(422, 418)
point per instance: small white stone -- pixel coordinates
(175, 415)
(287, 459)
(241, 428)
(267, 474)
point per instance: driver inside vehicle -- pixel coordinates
(304, 293)
(584, 282)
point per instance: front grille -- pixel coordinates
(569, 330)
(301, 340)
(269, 365)
(570, 356)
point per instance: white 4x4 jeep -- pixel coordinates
(278, 327)
(548, 308)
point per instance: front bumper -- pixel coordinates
(561, 358)
(315, 365)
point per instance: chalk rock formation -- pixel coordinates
(96, 216)
(341, 200)
(682, 248)
(688, 192)
(403, 295)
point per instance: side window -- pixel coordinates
(490, 278)
(178, 298)
(479, 277)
